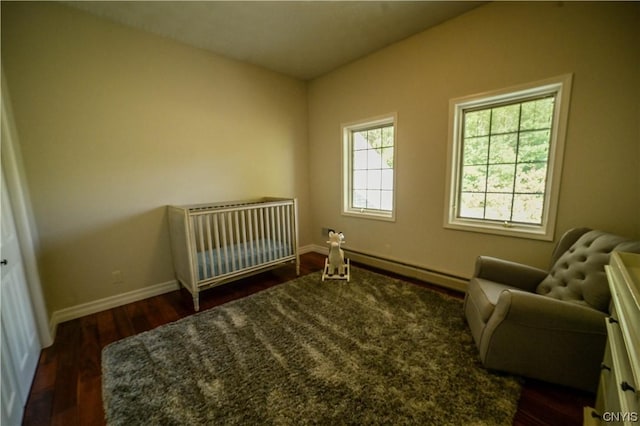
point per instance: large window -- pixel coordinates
(505, 159)
(369, 153)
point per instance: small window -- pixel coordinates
(369, 170)
(506, 158)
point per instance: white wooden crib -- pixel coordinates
(215, 243)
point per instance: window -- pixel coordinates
(505, 159)
(369, 173)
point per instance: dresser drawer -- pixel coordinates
(618, 400)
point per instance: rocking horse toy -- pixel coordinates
(335, 266)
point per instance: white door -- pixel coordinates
(20, 347)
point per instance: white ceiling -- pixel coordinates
(303, 39)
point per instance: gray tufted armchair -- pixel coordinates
(547, 325)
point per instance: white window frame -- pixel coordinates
(347, 187)
(561, 87)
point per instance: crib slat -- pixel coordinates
(203, 260)
(216, 233)
(288, 226)
(225, 246)
(278, 238)
(231, 259)
(245, 249)
(251, 222)
(262, 237)
(236, 249)
(287, 231)
(285, 225)
(209, 245)
(269, 212)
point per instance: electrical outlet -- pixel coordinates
(325, 231)
(116, 277)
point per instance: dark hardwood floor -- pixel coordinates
(67, 386)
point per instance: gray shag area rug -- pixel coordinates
(373, 351)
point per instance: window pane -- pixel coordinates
(500, 178)
(502, 148)
(373, 199)
(386, 202)
(360, 179)
(387, 136)
(505, 119)
(498, 207)
(534, 146)
(476, 123)
(527, 208)
(374, 159)
(360, 160)
(531, 177)
(472, 205)
(374, 179)
(374, 137)
(475, 150)
(474, 178)
(387, 179)
(359, 199)
(360, 140)
(387, 158)
(537, 114)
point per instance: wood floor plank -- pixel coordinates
(90, 408)
(90, 348)
(106, 327)
(45, 377)
(65, 401)
(138, 318)
(39, 408)
(151, 309)
(67, 389)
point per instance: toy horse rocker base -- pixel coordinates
(335, 266)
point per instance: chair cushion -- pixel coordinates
(578, 275)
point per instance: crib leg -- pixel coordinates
(196, 302)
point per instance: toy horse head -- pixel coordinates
(335, 237)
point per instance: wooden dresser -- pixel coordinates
(618, 400)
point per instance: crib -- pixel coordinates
(213, 244)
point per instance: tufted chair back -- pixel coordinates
(578, 273)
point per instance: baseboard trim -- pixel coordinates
(402, 268)
(78, 311)
(405, 269)
(318, 249)
(308, 249)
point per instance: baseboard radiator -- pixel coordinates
(406, 269)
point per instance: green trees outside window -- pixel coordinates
(505, 153)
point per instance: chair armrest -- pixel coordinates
(542, 312)
(513, 274)
(548, 339)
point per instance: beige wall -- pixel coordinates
(492, 47)
(115, 123)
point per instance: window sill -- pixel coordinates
(368, 214)
(508, 230)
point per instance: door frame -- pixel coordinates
(11, 163)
